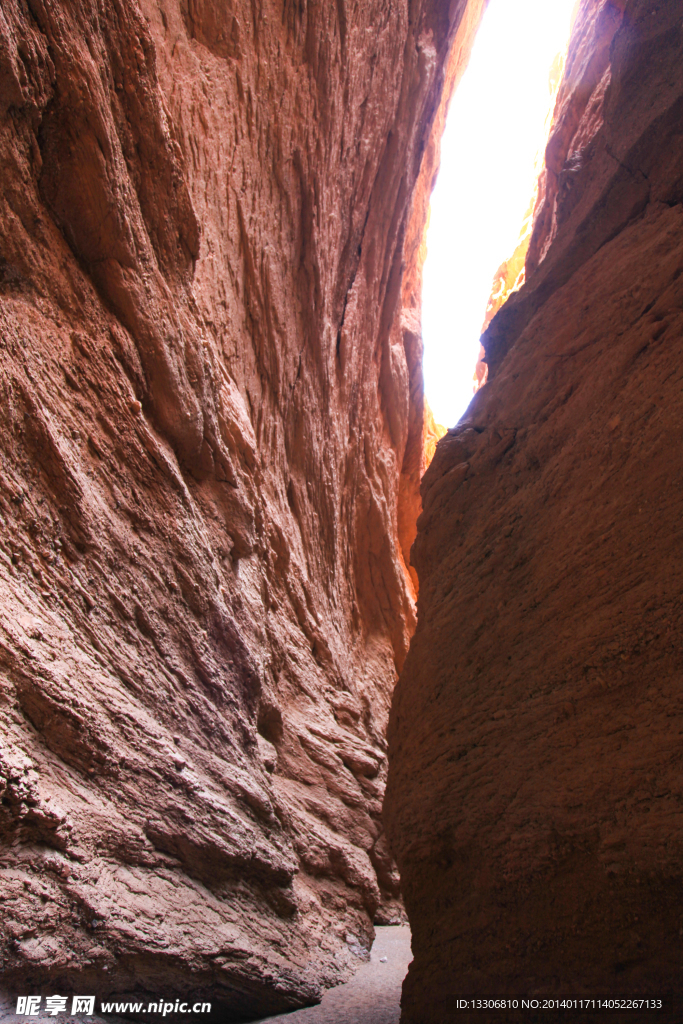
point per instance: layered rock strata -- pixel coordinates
(211, 404)
(534, 800)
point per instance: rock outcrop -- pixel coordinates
(534, 800)
(211, 420)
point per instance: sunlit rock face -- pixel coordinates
(211, 400)
(534, 789)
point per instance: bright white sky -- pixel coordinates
(494, 130)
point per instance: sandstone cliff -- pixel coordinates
(211, 404)
(534, 799)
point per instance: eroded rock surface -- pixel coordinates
(534, 799)
(211, 393)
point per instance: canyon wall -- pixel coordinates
(211, 423)
(535, 796)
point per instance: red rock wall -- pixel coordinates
(534, 795)
(204, 421)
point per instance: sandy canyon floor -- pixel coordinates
(372, 996)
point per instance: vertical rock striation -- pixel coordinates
(534, 795)
(211, 405)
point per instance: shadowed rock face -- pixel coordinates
(211, 396)
(534, 796)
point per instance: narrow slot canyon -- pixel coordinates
(281, 661)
